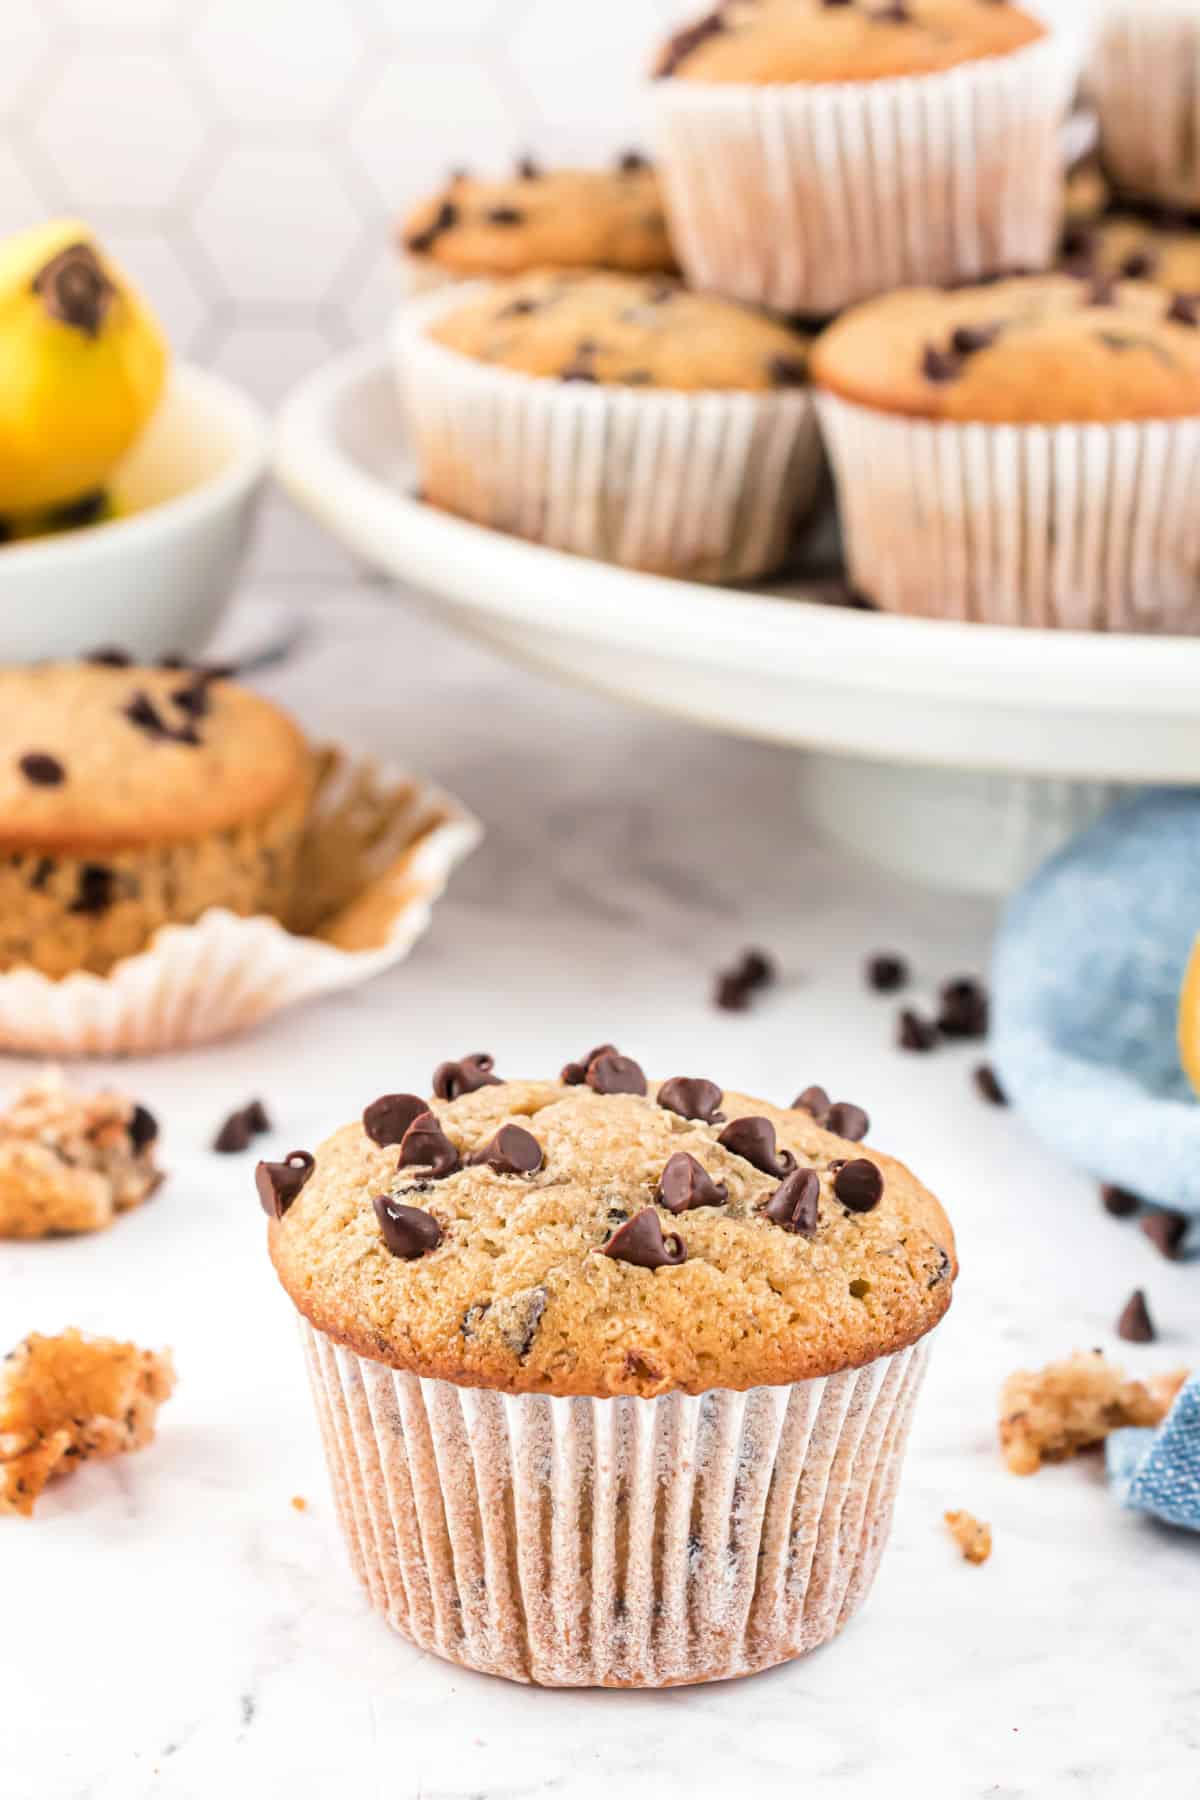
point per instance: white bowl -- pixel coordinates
(155, 580)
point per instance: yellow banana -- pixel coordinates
(82, 367)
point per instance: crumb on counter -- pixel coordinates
(973, 1536)
(70, 1162)
(1051, 1414)
(299, 1503)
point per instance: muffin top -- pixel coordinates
(545, 218)
(1135, 249)
(600, 1235)
(623, 330)
(1049, 349)
(763, 41)
(117, 757)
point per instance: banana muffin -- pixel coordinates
(705, 1302)
(541, 219)
(618, 416)
(1021, 452)
(133, 798)
(815, 154)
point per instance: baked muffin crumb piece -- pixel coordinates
(973, 1536)
(1051, 1414)
(64, 1399)
(70, 1162)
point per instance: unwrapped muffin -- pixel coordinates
(1021, 453)
(640, 1359)
(617, 416)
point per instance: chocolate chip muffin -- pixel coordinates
(541, 219)
(1020, 453)
(133, 798)
(704, 401)
(813, 154)
(704, 1301)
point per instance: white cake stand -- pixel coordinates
(958, 754)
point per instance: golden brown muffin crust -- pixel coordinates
(623, 330)
(102, 758)
(518, 1294)
(1050, 349)
(764, 41)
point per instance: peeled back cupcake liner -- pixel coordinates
(1144, 80)
(810, 197)
(614, 1542)
(1089, 527)
(378, 851)
(706, 485)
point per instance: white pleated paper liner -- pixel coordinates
(705, 485)
(378, 852)
(613, 1543)
(1144, 80)
(810, 197)
(1090, 527)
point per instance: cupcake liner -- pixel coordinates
(707, 485)
(1087, 527)
(378, 851)
(808, 198)
(1144, 80)
(613, 1543)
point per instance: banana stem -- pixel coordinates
(75, 290)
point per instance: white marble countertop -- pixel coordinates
(174, 1628)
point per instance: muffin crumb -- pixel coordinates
(70, 1162)
(973, 1536)
(1053, 1413)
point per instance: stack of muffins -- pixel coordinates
(1011, 410)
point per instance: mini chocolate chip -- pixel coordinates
(754, 1141)
(426, 1146)
(109, 658)
(813, 1100)
(504, 215)
(453, 1079)
(969, 340)
(886, 974)
(641, 1242)
(194, 699)
(788, 371)
(234, 1135)
(1138, 264)
(445, 219)
(142, 712)
(846, 1120)
(257, 1117)
(574, 1074)
(512, 1151)
(859, 1185)
(692, 1098)
(963, 1009)
(1184, 309)
(756, 969)
(42, 769)
(528, 169)
(940, 365)
(988, 1087)
(915, 1033)
(142, 1127)
(731, 993)
(387, 1119)
(1135, 1324)
(1118, 1202)
(611, 1073)
(407, 1231)
(279, 1183)
(1166, 1231)
(94, 893)
(794, 1203)
(678, 48)
(686, 1184)
(1079, 243)
(630, 162)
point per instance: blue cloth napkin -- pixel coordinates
(1158, 1472)
(1088, 965)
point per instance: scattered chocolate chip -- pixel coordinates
(788, 371)
(692, 1098)
(1078, 242)
(731, 993)
(969, 340)
(94, 893)
(234, 1135)
(686, 1184)
(678, 48)
(794, 1203)
(387, 1119)
(886, 974)
(504, 215)
(142, 1127)
(1118, 1202)
(426, 1146)
(846, 1120)
(445, 219)
(611, 1073)
(940, 365)
(630, 162)
(279, 1183)
(963, 1009)
(109, 658)
(754, 1141)
(1184, 309)
(453, 1079)
(574, 1074)
(512, 1151)
(641, 1242)
(736, 987)
(41, 769)
(1135, 1324)
(1138, 264)
(528, 169)
(407, 1231)
(813, 1100)
(915, 1033)
(1166, 1231)
(987, 1085)
(257, 1116)
(859, 1185)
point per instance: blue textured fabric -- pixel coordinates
(1158, 1472)
(1089, 961)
